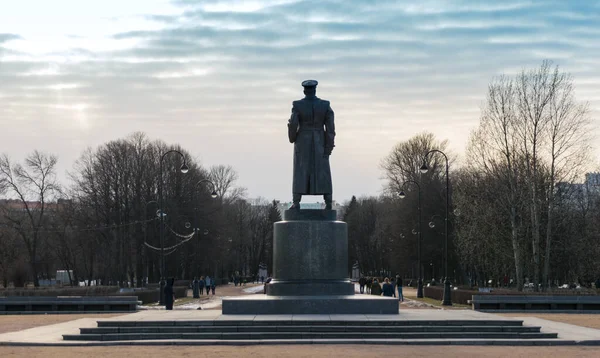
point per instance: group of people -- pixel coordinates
(237, 280)
(199, 285)
(372, 286)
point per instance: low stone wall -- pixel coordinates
(69, 304)
(492, 303)
(458, 296)
(145, 295)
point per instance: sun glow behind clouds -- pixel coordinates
(221, 69)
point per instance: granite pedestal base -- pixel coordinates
(310, 271)
(263, 304)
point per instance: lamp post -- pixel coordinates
(184, 169)
(447, 301)
(213, 195)
(402, 196)
(432, 271)
(158, 214)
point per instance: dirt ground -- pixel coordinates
(301, 351)
(583, 320)
(13, 323)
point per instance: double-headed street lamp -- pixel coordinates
(184, 169)
(402, 196)
(213, 195)
(159, 213)
(447, 301)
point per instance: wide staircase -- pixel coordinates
(198, 332)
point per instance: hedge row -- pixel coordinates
(64, 291)
(145, 295)
(462, 296)
(151, 296)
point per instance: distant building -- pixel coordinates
(579, 193)
(320, 205)
(282, 206)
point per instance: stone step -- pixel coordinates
(307, 335)
(201, 329)
(387, 342)
(300, 322)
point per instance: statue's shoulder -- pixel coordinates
(325, 102)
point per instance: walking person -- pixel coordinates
(201, 285)
(212, 286)
(207, 282)
(388, 289)
(369, 282)
(399, 284)
(196, 288)
(362, 281)
(375, 288)
(169, 294)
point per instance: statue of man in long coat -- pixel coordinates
(312, 131)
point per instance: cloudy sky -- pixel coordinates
(219, 76)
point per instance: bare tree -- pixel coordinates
(532, 135)
(406, 158)
(569, 149)
(225, 178)
(34, 185)
(494, 149)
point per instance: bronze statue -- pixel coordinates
(312, 131)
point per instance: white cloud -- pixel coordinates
(219, 76)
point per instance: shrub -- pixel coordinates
(64, 291)
(462, 296)
(181, 283)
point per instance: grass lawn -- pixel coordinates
(186, 300)
(437, 303)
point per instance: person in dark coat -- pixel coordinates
(312, 131)
(375, 288)
(388, 289)
(399, 284)
(362, 281)
(201, 285)
(207, 282)
(195, 288)
(169, 294)
(368, 284)
(212, 286)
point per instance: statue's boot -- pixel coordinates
(296, 202)
(328, 201)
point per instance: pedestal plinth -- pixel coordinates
(310, 271)
(310, 256)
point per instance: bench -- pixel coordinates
(67, 304)
(493, 303)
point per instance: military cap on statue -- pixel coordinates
(309, 83)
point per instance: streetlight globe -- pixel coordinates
(213, 194)
(184, 168)
(402, 194)
(188, 225)
(431, 224)
(424, 169)
(456, 212)
(414, 231)
(206, 232)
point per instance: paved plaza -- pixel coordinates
(51, 335)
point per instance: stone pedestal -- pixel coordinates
(310, 256)
(310, 271)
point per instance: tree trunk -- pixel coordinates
(516, 250)
(548, 243)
